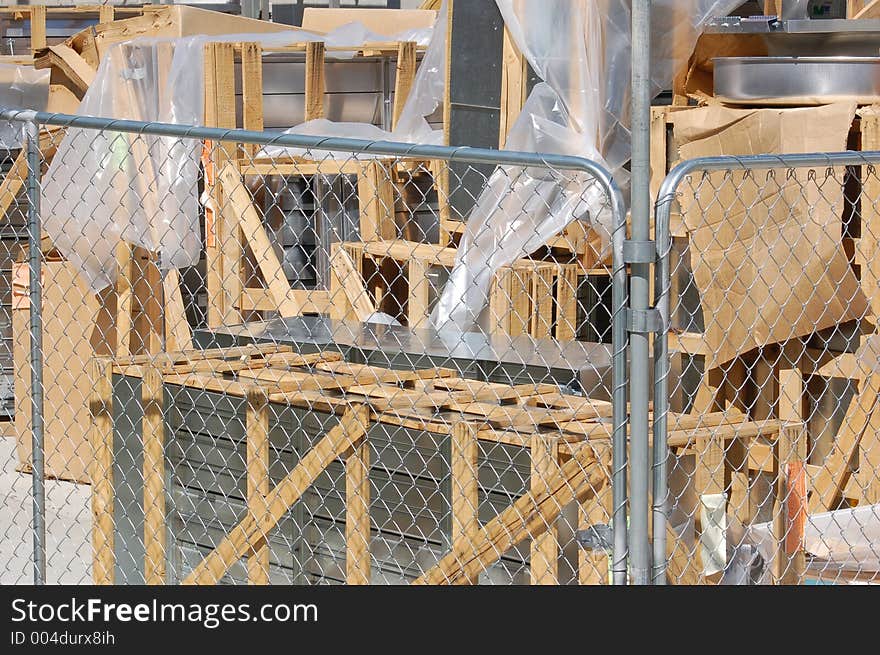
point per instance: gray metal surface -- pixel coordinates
(804, 37)
(805, 80)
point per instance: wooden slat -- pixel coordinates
(406, 73)
(544, 550)
(348, 286)
(528, 517)
(338, 442)
(464, 455)
(101, 473)
(257, 425)
(357, 515)
(239, 203)
(314, 80)
(178, 335)
(154, 477)
(252, 92)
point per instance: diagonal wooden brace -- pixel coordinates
(336, 444)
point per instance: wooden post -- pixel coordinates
(465, 486)
(258, 479)
(103, 557)
(357, 515)
(513, 86)
(106, 13)
(314, 80)
(38, 27)
(419, 293)
(593, 564)
(154, 476)
(252, 92)
(789, 511)
(544, 548)
(406, 73)
(223, 247)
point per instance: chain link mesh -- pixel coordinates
(283, 410)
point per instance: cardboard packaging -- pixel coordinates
(766, 246)
(76, 324)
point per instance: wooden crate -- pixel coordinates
(225, 239)
(530, 297)
(567, 438)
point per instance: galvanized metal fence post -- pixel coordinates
(639, 295)
(32, 130)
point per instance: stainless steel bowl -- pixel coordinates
(797, 80)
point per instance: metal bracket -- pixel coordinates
(639, 252)
(596, 537)
(643, 321)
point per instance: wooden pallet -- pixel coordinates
(568, 438)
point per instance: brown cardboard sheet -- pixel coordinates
(766, 246)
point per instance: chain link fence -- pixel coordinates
(768, 282)
(254, 358)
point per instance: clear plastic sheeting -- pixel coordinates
(519, 210)
(142, 189)
(846, 539)
(425, 96)
(21, 87)
(581, 49)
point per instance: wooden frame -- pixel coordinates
(568, 437)
(228, 297)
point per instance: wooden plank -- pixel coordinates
(540, 292)
(239, 203)
(790, 450)
(314, 80)
(257, 425)
(38, 27)
(513, 86)
(357, 515)
(101, 405)
(337, 443)
(68, 61)
(124, 300)
(528, 517)
(375, 189)
(464, 460)
(311, 301)
(419, 287)
(224, 247)
(566, 303)
(252, 93)
(406, 73)
(106, 13)
(178, 335)
(154, 476)
(544, 549)
(595, 510)
(870, 9)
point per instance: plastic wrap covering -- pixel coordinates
(21, 87)
(845, 538)
(138, 188)
(581, 49)
(520, 209)
(425, 96)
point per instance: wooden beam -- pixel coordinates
(337, 443)
(464, 461)
(314, 80)
(357, 515)
(178, 335)
(544, 548)
(257, 439)
(375, 188)
(347, 287)
(788, 512)
(106, 13)
(154, 476)
(103, 528)
(528, 517)
(406, 74)
(514, 78)
(238, 203)
(869, 10)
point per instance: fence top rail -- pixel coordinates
(463, 154)
(674, 178)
